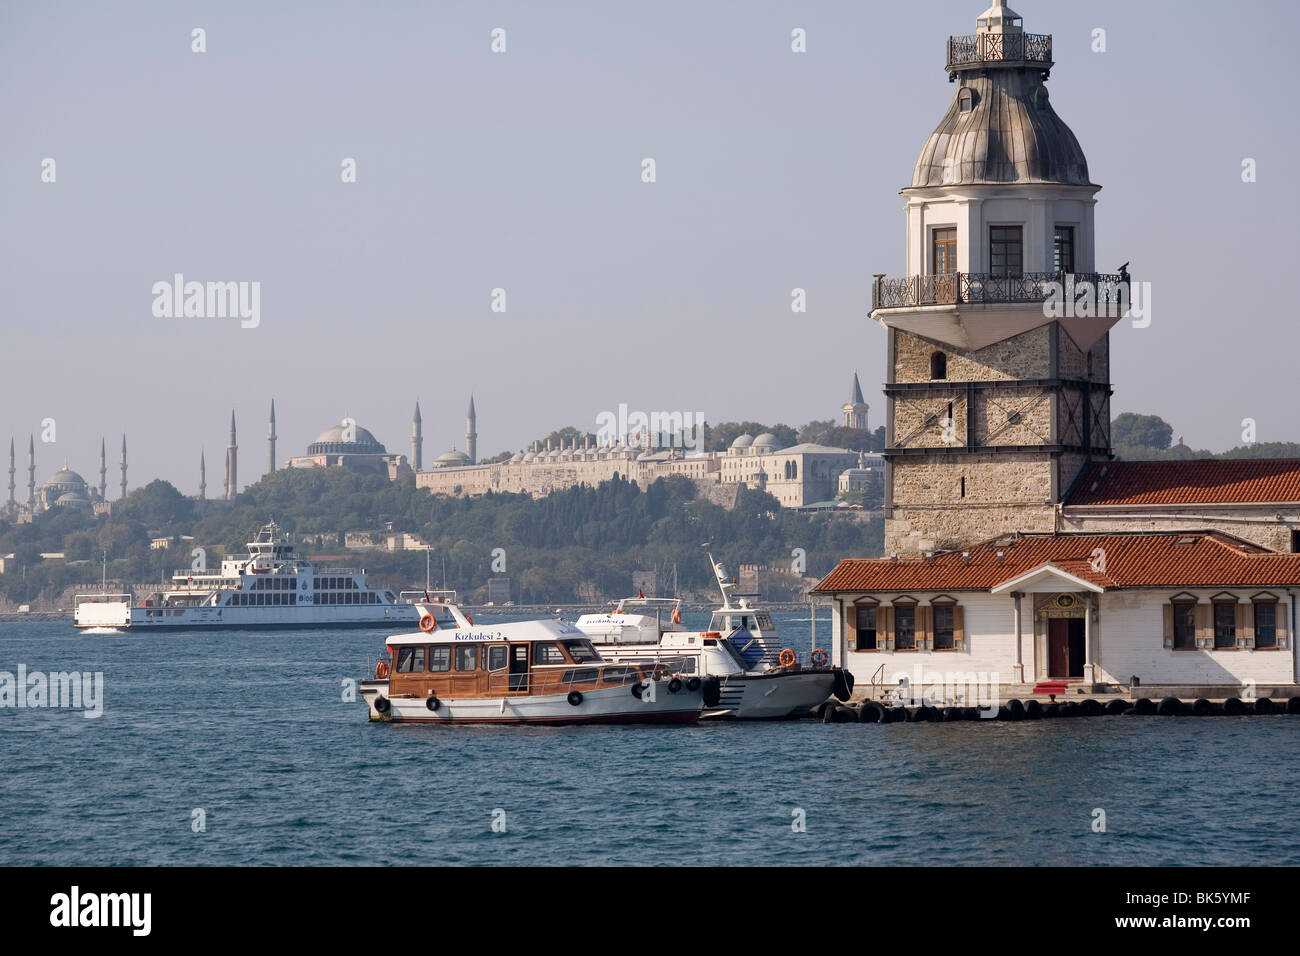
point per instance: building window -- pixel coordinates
(1006, 250)
(966, 100)
(1295, 542)
(1184, 626)
(1063, 250)
(945, 251)
(1225, 626)
(938, 366)
(943, 623)
(862, 628)
(905, 628)
(1265, 625)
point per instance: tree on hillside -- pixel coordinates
(1141, 431)
(719, 437)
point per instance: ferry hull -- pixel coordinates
(123, 617)
(615, 705)
(776, 696)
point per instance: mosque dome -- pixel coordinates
(766, 441)
(517, 457)
(450, 459)
(334, 441)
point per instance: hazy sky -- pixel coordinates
(522, 171)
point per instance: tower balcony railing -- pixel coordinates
(982, 48)
(985, 288)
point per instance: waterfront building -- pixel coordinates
(1015, 547)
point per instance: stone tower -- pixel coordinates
(103, 470)
(232, 461)
(417, 440)
(270, 438)
(12, 471)
(203, 478)
(123, 466)
(471, 434)
(995, 400)
(855, 409)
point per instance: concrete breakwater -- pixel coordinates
(873, 712)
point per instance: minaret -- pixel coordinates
(270, 437)
(203, 478)
(471, 434)
(232, 461)
(855, 409)
(103, 470)
(417, 440)
(123, 466)
(996, 401)
(12, 471)
(31, 471)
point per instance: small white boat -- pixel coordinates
(525, 672)
(758, 679)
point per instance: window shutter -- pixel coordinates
(885, 627)
(1245, 626)
(925, 628)
(959, 628)
(1169, 625)
(1282, 632)
(851, 626)
(1205, 625)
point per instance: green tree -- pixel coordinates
(1141, 431)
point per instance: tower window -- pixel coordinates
(1063, 249)
(966, 100)
(938, 366)
(945, 251)
(1006, 250)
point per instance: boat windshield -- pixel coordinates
(581, 651)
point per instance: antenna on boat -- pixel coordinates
(720, 573)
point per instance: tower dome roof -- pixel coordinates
(1000, 127)
(449, 458)
(743, 441)
(766, 440)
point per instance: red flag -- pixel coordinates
(639, 594)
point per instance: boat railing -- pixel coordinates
(561, 678)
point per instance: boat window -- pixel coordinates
(581, 651)
(548, 652)
(710, 642)
(618, 675)
(410, 659)
(497, 657)
(440, 657)
(467, 657)
(763, 620)
(581, 675)
(719, 622)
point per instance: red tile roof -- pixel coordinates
(1196, 482)
(1177, 560)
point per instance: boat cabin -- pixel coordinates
(503, 660)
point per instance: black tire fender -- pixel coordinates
(841, 687)
(575, 698)
(674, 685)
(692, 684)
(871, 713)
(433, 703)
(712, 691)
(382, 705)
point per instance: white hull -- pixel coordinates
(120, 615)
(607, 705)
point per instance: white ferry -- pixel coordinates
(525, 672)
(758, 679)
(271, 587)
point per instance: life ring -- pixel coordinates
(787, 657)
(427, 623)
(470, 619)
(677, 615)
(819, 658)
(381, 670)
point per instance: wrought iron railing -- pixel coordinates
(987, 47)
(974, 288)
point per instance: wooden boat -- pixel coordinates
(526, 672)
